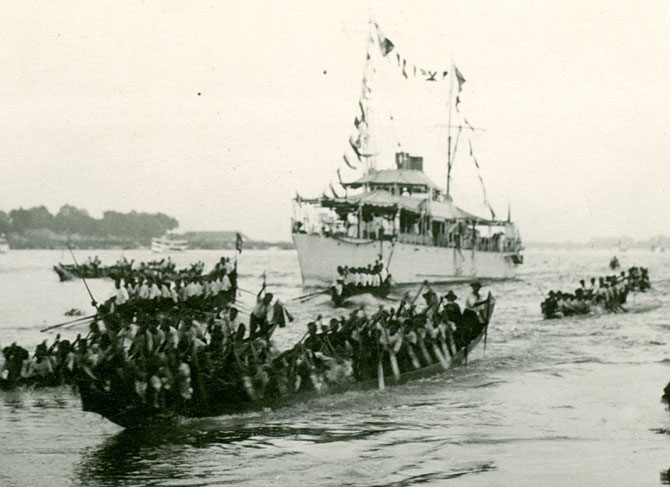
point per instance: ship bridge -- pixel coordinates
(407, 180)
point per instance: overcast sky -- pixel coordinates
(218, 112)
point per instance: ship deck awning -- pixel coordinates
(385, 201)
(409, 178)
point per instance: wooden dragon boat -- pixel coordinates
(134, 414)
(349, 290)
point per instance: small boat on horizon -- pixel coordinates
(166, 243)
(4, 244)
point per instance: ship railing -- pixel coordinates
(484, 244)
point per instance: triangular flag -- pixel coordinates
(348, 162)
(385, 45)
(460, 78)
(355, 148)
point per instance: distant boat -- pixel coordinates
(658, 246)
(4, 245)
(166, 244)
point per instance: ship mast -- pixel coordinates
(367, 146)
(451, 93)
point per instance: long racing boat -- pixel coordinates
(221, 397)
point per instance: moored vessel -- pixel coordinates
(391, 209)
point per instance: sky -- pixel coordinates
(217, 113)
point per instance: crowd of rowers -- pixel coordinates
(606, 293)
(213, 359)
(390, 342)
(150, 299)
(190, 284)
(92, 268)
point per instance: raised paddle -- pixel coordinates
(93, 301)
(418, 293)
(388, 263)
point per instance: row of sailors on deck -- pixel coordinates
(175, 290)
(361, 276)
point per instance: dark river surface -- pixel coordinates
(566, 402)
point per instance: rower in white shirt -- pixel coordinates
(475, 302)
(122, 295)
(143, 291)
(225, 284)
(154, 291)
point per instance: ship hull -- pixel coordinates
(320, 255)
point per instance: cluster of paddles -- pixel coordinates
(351, 281)
(215, 367)
(194, 298)
(608, 293)
(122, 269)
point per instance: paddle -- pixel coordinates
(380, 370)
(244, 290)
(418, 293)
(488, 320)
(388, 263)
(392, 356)
(307, 296)
(67, 323)
(93, 301)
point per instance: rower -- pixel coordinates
(474, 301)
(451, 308)
(339, 286)
(121, 293)
(313, 341)
(258, 317)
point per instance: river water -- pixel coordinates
(565, 402)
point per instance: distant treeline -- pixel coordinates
(37, 228)
(614, 243)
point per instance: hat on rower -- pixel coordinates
(427, 295)
(451, 296)
(476, 284)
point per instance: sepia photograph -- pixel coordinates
(338, 243)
